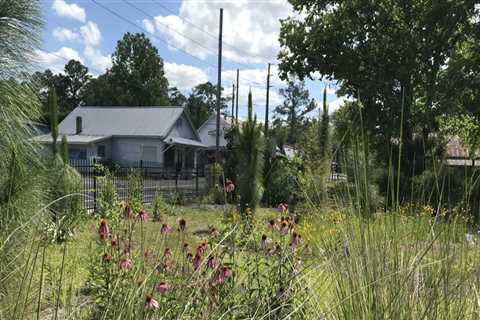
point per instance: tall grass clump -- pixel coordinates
(20, 182)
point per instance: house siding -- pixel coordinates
(183, 129)
(129, 150)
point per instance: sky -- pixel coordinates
(185, 32)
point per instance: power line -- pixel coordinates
(198, 27)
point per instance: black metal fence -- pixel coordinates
(155, 178)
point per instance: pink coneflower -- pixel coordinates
(296, 239)
(142, 215)
(229, 186)
(151, 303)
(223, 273)
(114, 242)
(182, 224)
(271, 224)
(167, 254)
(125, 263)
(164, 267)
(107, 257)
(264, 242)
(127, 212)
(103, 230)
(202, 248)
(197, 260)
(270, 252)
(285, 228)
(162, 287)
(282, 208)
(212, 263)
(189, 256)
(186, 247)
(165, 229)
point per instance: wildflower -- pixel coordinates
(114, 242)
(127, 212)
(142, 215)
(285, 228)
(296, 238)
(270, 252)
(107, 257)
(229, 186)
(186, 247)
(223, 273)
(103, 230)
(167, 253)
(126, 263)
(282, 208)
(189, 256)
(212, 263)
(264, 242)
(151, 303)
(202, 248)
(182, 224)
(165, 229)
(271, 224)
(197, 260)
(162, 287)
(164, 267)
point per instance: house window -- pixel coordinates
(101, 151)
(77, 154)
(149, 153)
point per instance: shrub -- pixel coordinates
(108, 206)
(135, 189)
(161, 207)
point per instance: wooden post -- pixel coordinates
(219, 88)
(233, 102)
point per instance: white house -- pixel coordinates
(162, 136)
(208, 134)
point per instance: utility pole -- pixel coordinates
(267, 102)
(219, 88)
(233, 101)
(236, 98)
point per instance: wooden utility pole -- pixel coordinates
(267, 102)
(219, 88)
(233, 101)
(236, 98)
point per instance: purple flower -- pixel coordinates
(127, 212)
(197, 260)
(162, 287)
(212, 263)
(282, 208)
(165, 229)
(182, 224)
(142, 215)
(223, 273)
(229, 186)
(202, 248)
(285, 228)
(126, 263)
(103, 230)
(151, 303)
(264, 242)
(167, 254)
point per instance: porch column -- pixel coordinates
(195, 158)
(184, 158)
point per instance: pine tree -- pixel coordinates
(64, 149)
(53, 110)
(250, 153)
(323, 131)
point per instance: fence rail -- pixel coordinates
(155, 178)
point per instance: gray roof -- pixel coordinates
(184, 141)
(122, 121)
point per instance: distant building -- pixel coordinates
(160, 136)
(456, 155)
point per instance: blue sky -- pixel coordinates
(184, 33)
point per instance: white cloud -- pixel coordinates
(98, 61)
(183, 76)
(253, 29)
(148, 25)
(91, 34)
(66, 10)
(56, 60)
(336, 104)
(64, 34)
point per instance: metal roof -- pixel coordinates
(184, 141)
(71, 139)
(122, 121)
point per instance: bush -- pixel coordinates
(108, 206)
(161, 207)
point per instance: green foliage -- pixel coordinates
(324, 131)
(250, 153)
(108, 205)
(202, 103)
(296, 105)
(161, 208)
(284, 186)
(136, 78)
(135, 190)
(466, 128)
(64, 149)
(53, 111)
(66, 211)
